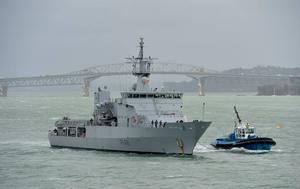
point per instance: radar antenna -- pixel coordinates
(141, 66)
(141, 53)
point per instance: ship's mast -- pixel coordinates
(141, 53)
(141, 69)
(141, 65)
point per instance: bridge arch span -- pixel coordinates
(95, 72)
(86, 76)
(156, 68)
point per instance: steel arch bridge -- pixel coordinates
(157, 68)
(86, 76)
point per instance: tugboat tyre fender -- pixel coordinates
(133, 119)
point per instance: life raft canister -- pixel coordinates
(133, 119)
(141, 120)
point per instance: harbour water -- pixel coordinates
(27, 161)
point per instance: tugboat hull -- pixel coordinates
(249, 144)
(244, 136)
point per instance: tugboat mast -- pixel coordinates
(237, 114)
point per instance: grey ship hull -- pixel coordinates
(174, 138)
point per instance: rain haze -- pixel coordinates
(218, 108)
(60, 36)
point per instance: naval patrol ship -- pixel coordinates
(143, 120)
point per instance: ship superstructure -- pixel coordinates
(141, 120)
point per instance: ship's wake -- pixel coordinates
(25, 143)
(210, 149)
(204, 149)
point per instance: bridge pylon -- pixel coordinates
(3, 91)
(86, 87)
(201, 84)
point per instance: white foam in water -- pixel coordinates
(276, 150)
(208, 149)
(243, 150)
(174, 176)
(54, 118)
(204, 148)
(22, 101)
(153, 163)
(27, 143)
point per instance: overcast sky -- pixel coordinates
(39, 37)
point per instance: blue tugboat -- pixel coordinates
(243, 136)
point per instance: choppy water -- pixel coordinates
(27, 161)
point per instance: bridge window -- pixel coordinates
(152, 95)
(250, 131)
(243, 132)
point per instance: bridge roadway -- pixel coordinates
(86, 76)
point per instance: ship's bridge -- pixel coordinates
(155, 106)
(152, 94)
